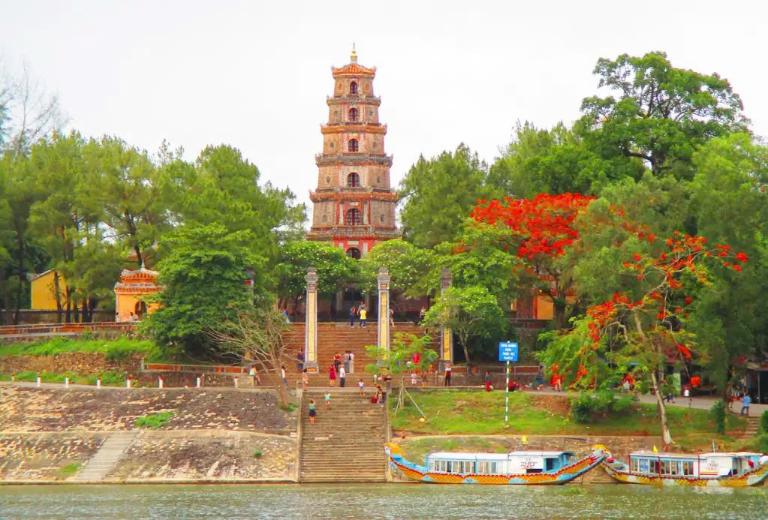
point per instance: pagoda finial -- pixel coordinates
(353, 56)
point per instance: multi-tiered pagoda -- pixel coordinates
(354, 205)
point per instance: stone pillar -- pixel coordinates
(383, 325)
(310, 338)
(446, 334)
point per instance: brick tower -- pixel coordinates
(354, 205)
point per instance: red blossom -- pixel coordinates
(742, 257)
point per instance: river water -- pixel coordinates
(390, 501)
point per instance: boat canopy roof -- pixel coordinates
(669, 455)
(448, 455)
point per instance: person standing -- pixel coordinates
(745, 402)
(487, 381)
(305, 379)
(337, 361)
(283, 375)
(447, 381)
(351, 362)
(300, 360)
(342, 377)
(363, 316)
(346, 361)
(312, 411)
(327, 398)
(332, 375)
(352, 314)
(361, 387)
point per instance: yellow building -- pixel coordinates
(43, 290)
(131, 292)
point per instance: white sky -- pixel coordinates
(255, 74)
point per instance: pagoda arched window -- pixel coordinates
(353, 252)
(353, 88)
(352, 146)
(353, 217)
(353, 114)
(353, 180)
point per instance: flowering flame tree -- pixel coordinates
(544, 226)
(646, 324)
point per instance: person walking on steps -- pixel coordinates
(447, 381)
(312, 411)
(745, 402)
(342, 377)
(332, 375)
(352, 315)
(363, 316)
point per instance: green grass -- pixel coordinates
(482, 413)
(114, 349)
(257, 454)
(153, 421)
(69, 470)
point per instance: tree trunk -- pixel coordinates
(139, 258)
(666, 436)
(57, 292)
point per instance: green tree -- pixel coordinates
(661, 113)
(407, 353)
(202, 271)
(470, 312)
(124, 182)
(407, 264)
(730, 205)
(439, 194)
(333, 266)
(550, 161)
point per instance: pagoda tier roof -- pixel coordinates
(353, 98)
(352, 194)
(353, 69)
(353, 232)
(353, 159)
(368, 128)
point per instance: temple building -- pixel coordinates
(354, 205)
(131, 293)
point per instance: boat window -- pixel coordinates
(640, 465)
(549, 464)
(687, 467)
(665, 469)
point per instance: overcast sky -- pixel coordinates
(255, 74)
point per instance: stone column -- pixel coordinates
(446, 334)
(310, 338)
(383, 325)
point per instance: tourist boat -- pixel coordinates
(716, 469)
(515, 468)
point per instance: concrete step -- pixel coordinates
(104, 460)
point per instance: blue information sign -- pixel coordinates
(509, 351)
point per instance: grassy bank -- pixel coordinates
(477, 412)
(113, 349)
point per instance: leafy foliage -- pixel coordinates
(333, 267)
(438, 195)
(662, 113)
(203, 273)
(153, 421)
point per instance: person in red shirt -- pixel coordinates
(332, 375)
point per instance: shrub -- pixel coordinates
(257, 454)
(764, 422)
(717, 412)
(590, 406)
(153, 421)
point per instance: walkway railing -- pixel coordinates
(64, 329)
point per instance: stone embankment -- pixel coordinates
(54, 434)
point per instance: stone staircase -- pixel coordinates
(102, 463)
(753, 427)
(339, 337)
(346, 443)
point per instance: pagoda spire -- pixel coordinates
(353, 56)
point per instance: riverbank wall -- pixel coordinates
(75, 435)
